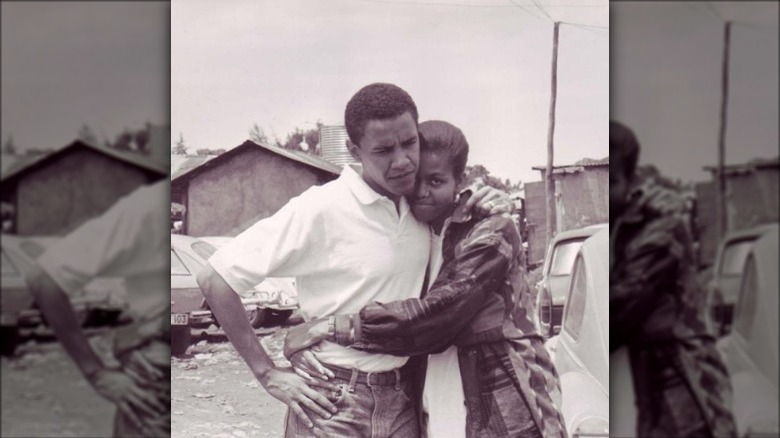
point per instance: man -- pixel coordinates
(131, 241)
(656, 307)
(349, 242)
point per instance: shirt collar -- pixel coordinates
(362, 191)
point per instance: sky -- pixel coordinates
(65, 64)
(483, 65)
(666, 81)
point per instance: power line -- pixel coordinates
(712, 8)
(589, 28)
(465, 5)
(526, 10)
(584, 25)
(536, 2)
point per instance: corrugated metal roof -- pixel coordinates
(585, 162)
(181, 164)
(748, 167)
(135, 159)
(300, 157)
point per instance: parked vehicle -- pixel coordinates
(265, 304)
(581, 350)
(751, 349)
(275, 298)
(102, 301)
(556, 273)
(727, 273)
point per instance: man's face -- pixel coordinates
(390, 153)
(618, 189)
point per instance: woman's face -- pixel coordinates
(434, 196)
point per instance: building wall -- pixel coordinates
(82, 184)
(585, 198)
(255, 184)
(582, 199)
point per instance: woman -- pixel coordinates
(473, 321)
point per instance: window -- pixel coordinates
(8, 268)
(746, 303)
(563, 257)
(575, 304)
(733, 257)
(177, 266)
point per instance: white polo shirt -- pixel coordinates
(130, 240)
(346, 246)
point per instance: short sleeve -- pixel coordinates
(277, 246)
(130, 239)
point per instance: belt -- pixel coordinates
(384, 378)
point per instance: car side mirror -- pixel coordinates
(716, 311)
(545, 313)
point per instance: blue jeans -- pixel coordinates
(377, 408)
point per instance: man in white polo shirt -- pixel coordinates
(348, 243)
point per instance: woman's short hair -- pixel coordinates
(443, 137)
(623, 147)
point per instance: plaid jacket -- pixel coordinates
(657, 311)
(480, 303)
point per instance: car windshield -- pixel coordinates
(746, 303)
(7, 266)
(575, 307)
(204, 249)
(177, 266)
(32, 249)
(563, 256)
(733, 258)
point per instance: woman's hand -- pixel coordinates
(306, 365)
(305, 335)
(489, 201)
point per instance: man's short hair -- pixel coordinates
(623, 147)
(446, 138)
(376, 101)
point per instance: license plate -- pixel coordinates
(179, 319)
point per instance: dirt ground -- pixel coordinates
(215, 395)
(45, 395)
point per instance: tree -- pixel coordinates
(479, 171)
(9, 147)
(180, 148)
(88, 136)
(257, 135)
(205, 151)
(294, 139)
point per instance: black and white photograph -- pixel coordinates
(694, 219)
(389, 218)
(85, 222)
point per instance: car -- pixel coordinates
(102, 301)
(727, 273)
(275, 298)
(580, 351)
(750, 350)
(556, 272)
(189, 309)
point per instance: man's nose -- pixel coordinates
(401, 160)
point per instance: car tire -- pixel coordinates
(273, 317)
(181, 338)
(9, 340)
(256, 317)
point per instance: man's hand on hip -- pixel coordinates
(292, 390)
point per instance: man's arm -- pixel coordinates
(285, 386)
(114, 385)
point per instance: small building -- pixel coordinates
(54, 193)
(751, 199)
(226, 194)
(581, 199)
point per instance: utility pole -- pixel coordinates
(722, 210)
(549, 184)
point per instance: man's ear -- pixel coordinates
(354, 150)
